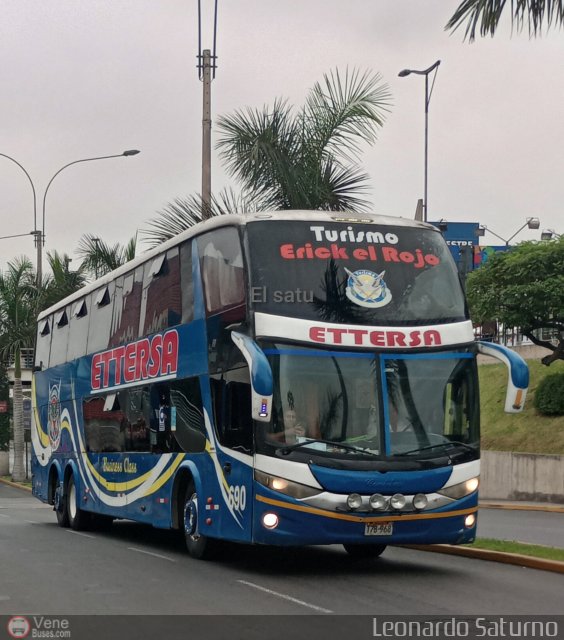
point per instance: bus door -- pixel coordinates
(231, 397)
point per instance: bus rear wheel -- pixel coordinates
(78, 519)
(60, 506)
(365, 551)
(199, 546)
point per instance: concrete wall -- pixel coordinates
(522, 476)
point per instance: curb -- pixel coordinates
(17, 485)
(516, 506)
(493, 556)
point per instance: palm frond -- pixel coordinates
(99, 258)
(342, 186)
(183, 213)
(260, 147)
(343, 112)
(483, 16)
(18, 306)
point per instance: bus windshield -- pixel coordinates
(369, 404)
(353, 273)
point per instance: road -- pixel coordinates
(139, 570)
(535, 527)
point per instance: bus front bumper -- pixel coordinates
(299, 524)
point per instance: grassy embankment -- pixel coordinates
(528, 431)
(509, 546)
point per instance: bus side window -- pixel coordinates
(136, 428)
(104, 423)
(231, 395)
(238, 426)
(187, 415)
(222, 271)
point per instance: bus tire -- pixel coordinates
(199, 546)
(78, 519)
(60, 507)
(365, 551)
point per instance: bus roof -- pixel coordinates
(234, 220)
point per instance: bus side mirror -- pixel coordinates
(261, 376)
(518, 381)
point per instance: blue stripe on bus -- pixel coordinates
(366, 482)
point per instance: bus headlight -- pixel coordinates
(354, 501)
(420, 501)
(460, 490)
(287, 487)
(378, 502)
(397, 501)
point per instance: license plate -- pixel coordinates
(381, 529)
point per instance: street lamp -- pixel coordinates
(548, 234)
(35, 232)
(425, 72)
(130, 152)
(40, 233)
(531, 223)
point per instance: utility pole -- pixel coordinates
(38, 245)
(206, 135)
(206, 72)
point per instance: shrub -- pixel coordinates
(549, 396)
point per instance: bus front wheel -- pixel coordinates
(364, 551)
(199, 546)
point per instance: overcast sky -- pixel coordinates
(95, 77)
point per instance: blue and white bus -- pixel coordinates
(284, 378)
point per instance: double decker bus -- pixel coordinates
(284, 378)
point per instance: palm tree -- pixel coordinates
(484, 15)
(308, 159)
(62, 281)
(99, 258)
(287, 160)
(18, 305)
(184, 213)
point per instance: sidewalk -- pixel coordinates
(521, 506)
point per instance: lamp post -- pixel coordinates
(130, 152)
(35, 232)
(39, 234)
(531, 223)
(424, 72)
(548, 234)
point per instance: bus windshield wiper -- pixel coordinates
(288, 449)
(450, 443)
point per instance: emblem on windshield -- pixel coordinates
(367, 289)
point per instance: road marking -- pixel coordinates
(150, 553)
(3, 515)
(78, 533)
(31, 521)
(285, 597)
